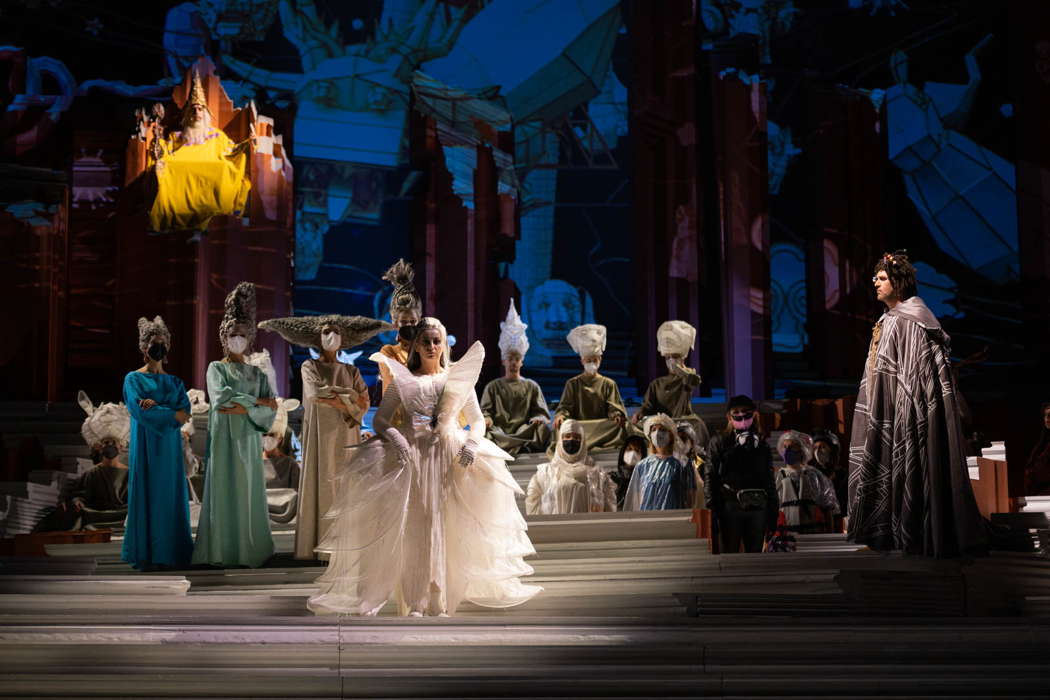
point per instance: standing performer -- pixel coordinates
(336, 400)
(515, 411)
(590, 398)
(672, 394)
(738, 481)
(406, 308)
(571, 482)
(425, 511)
(660, 481)
(909, 488)
(158, 525)
(807, 497)
(234, 528)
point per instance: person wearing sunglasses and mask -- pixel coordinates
(660, 481)
(909, 488)
(335, 400)
(570, 482)
(738, 481)
(406, 310)
(157, 533)
(590, 398)
(234, 527)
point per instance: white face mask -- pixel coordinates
(237, 344)
(331, 341)
(672, 364)
(590, 367)
(662, 438)
(630, 458)
(269, 442)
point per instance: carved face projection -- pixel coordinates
(554, 309)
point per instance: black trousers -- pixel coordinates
(741, 527)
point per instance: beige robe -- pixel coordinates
(327, 433)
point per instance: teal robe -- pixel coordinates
(234, 527)
(157, 531)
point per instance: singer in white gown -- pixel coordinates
(425, 512)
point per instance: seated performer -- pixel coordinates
(661, 482)
(516, 414)
(99, 497)
(336, 400)
(279, 466)
(406, 308)
(426, 512)
(672, 394)
(591, 399)
(807, 497)
(571, 482)
(200, 172)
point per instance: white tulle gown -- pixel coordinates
(426, 529)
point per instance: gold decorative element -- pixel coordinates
(197, 96)
(873, 349)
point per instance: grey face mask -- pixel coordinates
(662, 439)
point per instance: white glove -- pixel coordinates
(466, 453)
(395, 438)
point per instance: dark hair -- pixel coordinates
(414, 361)
(901, 272)
(632, 440)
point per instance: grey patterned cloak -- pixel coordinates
(909, 488)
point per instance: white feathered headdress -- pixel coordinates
(198, 401)
(107, 421)
(512, 337)
(587, 340)
(675, 338)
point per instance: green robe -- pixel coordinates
(672, 394)
(234, 528)
(595, 401)
(511, 405)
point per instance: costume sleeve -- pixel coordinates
(690, 378)
(609, 487)
(356, 398)
(712, 479)
(614, 402)
(387, 407)
(538, 405)
(772, 501)
(158, 420)
(827, 496)
(488, 410)
(632, 500)
(568, 402)
(534, 493)
(262, 417)
(313, 378)
(472, 414)
(688, 477)
(649, 403)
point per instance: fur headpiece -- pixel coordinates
(153, 329)
(660, 420)
(805, 441)
(107, 421)
(512, 337)
(587, 340)
(675, 338)
(404, 296)
(306, 330)
(240, 308)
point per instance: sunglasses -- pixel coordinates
(743, 416)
